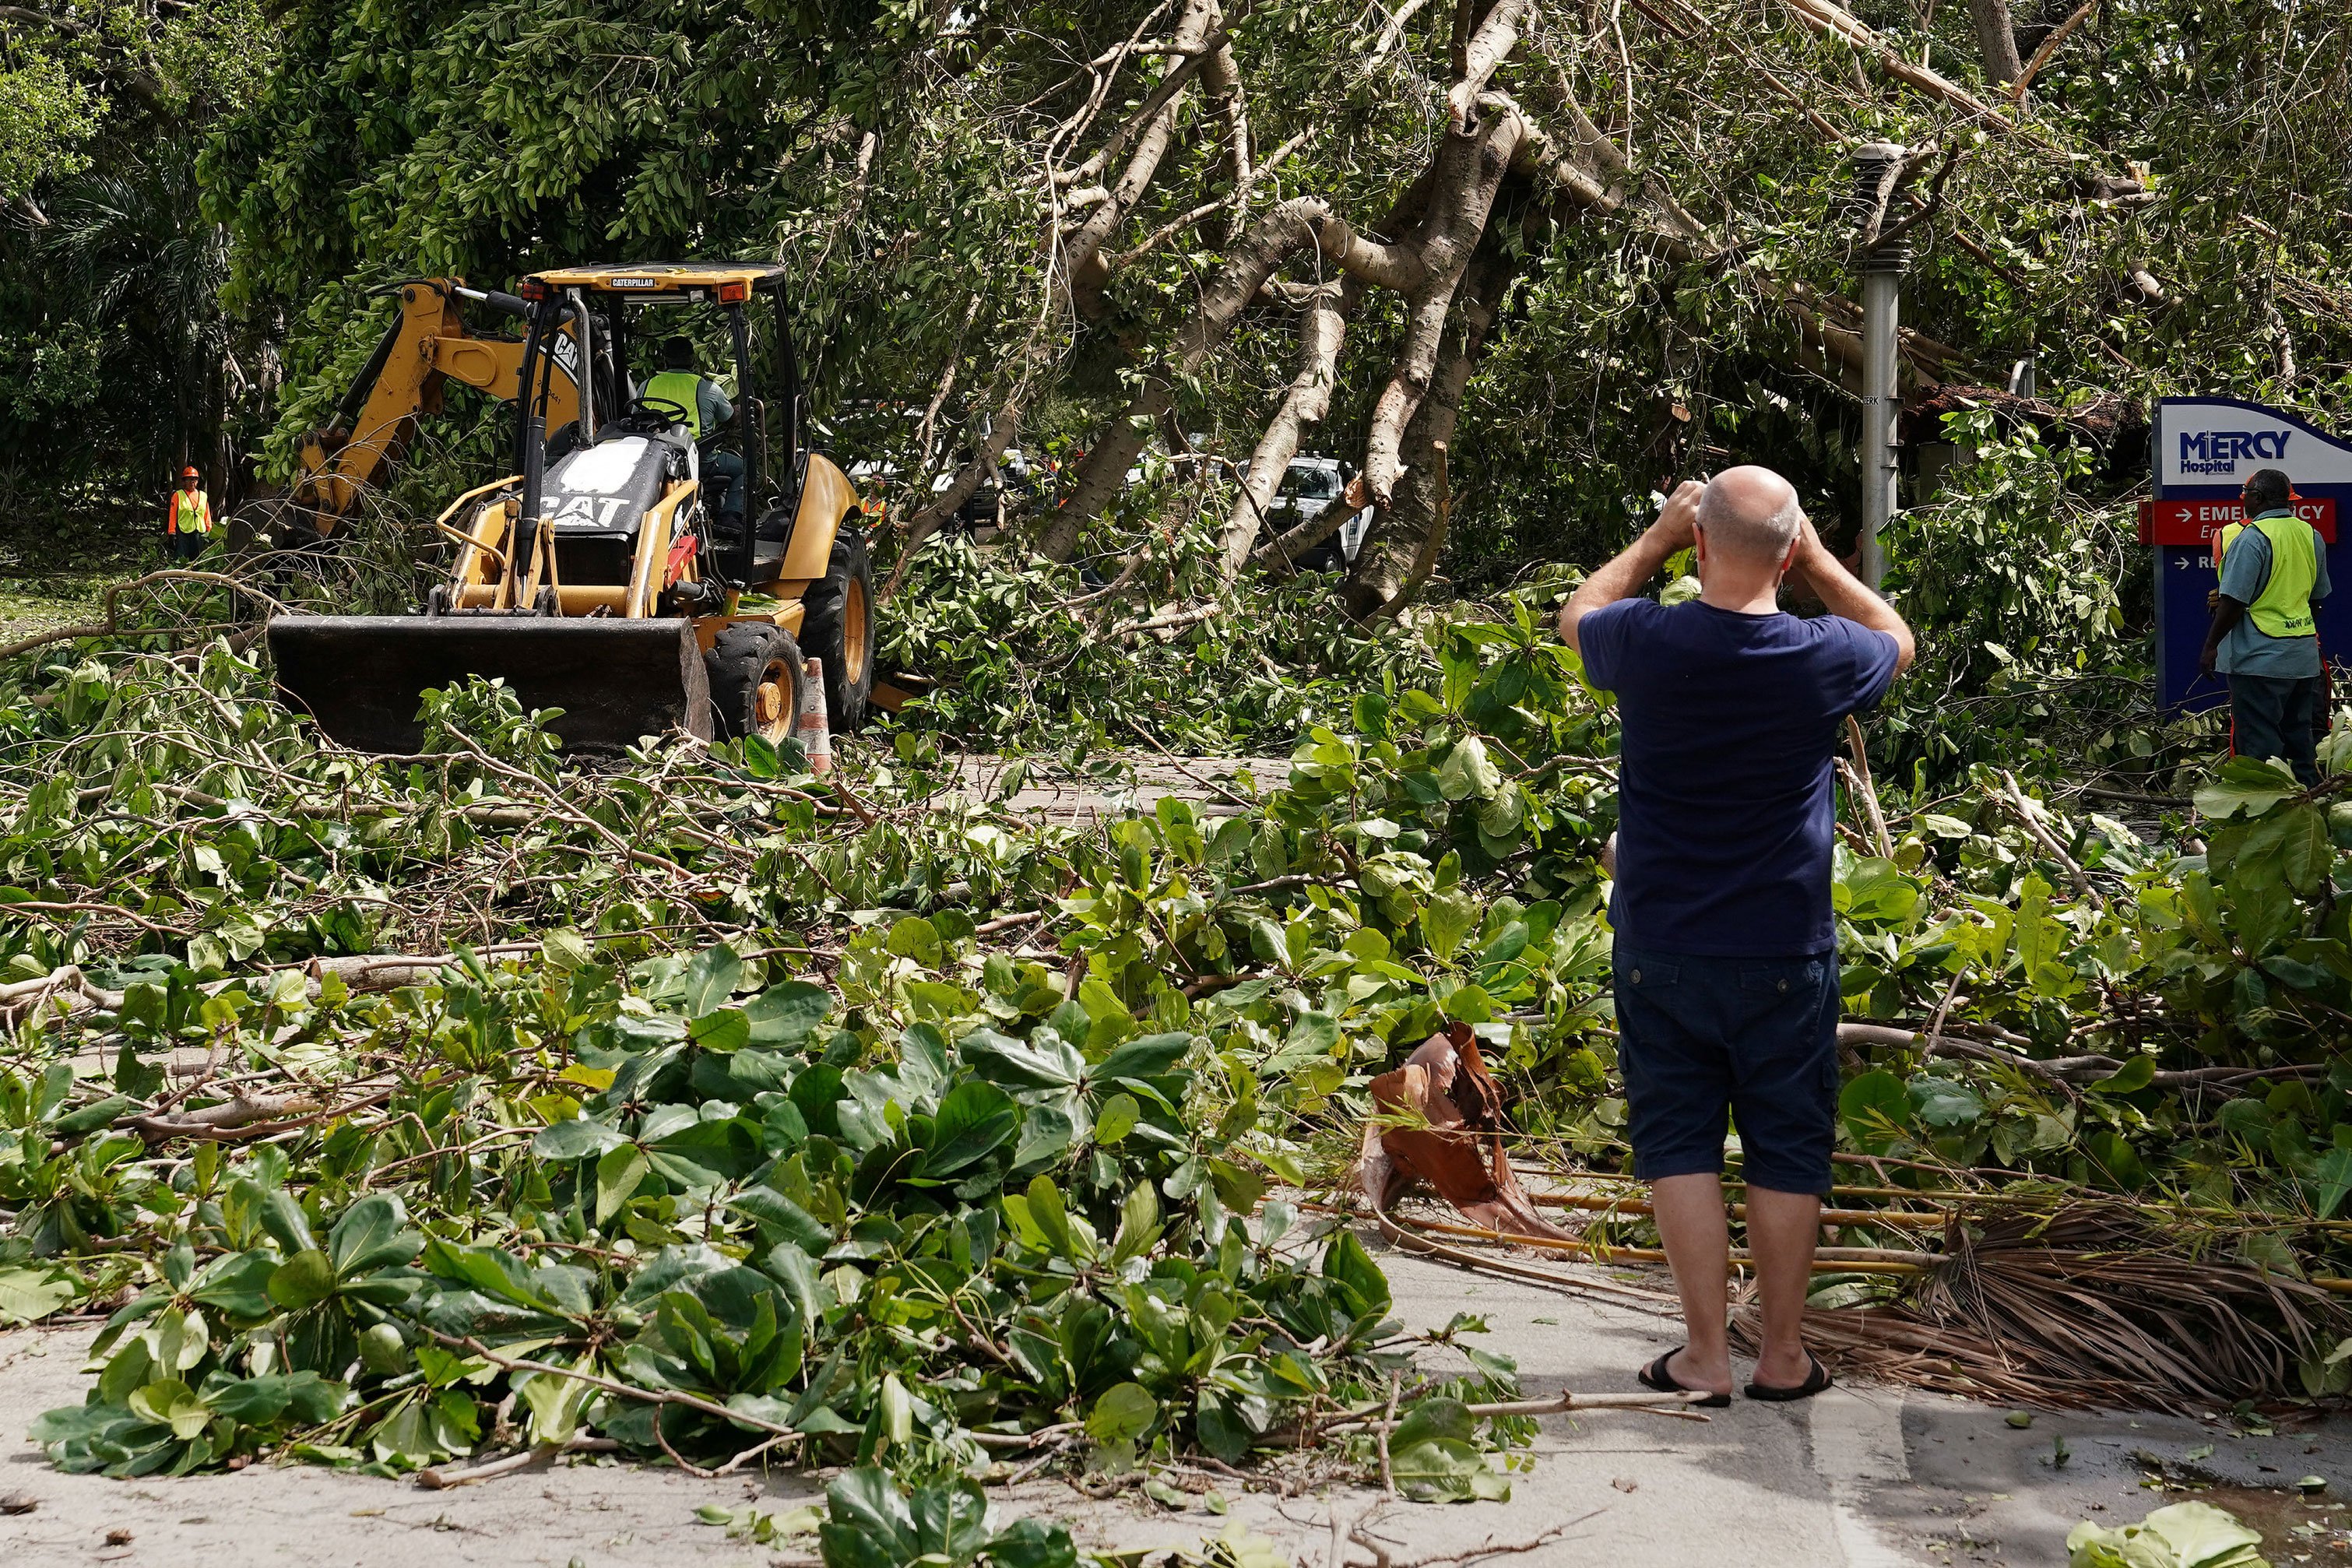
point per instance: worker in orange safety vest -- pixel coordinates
(188, 518)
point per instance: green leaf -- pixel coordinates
(575, 1139)
(2332, 1177)
(972, 1122)
(1146, 1056)
(371, 1235)
(1876, 1109)
(711, 979)
(724, 1030)
(2114, 1154)
(2245, 785)
(2304, 848)
(1045, 1062)
(868, 1525)
(1045, 1207)
(302, 1281)
(618, 1175)
(2130, 1079)
(2199, 1535)
(784, 1015)
(1116, 1119)
(1123, 1414)
(1445, 920)
(915, 936)
(1467, 772)
(29, 1294)
(1942, 1103)
(170, 1402)
(1348, 1266)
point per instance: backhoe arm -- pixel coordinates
(427, 341)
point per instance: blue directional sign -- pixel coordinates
(2201, 449)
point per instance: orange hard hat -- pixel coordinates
(188, 473)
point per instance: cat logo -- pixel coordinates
(592, 512)
(631, 283)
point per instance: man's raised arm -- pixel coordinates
(1844, 595)
(1623, 577)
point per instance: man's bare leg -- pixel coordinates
(1690, 1221)
(1782, 1228)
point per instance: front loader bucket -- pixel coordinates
(615, 681)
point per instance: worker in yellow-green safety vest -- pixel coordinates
(187, 519)
(2264, 637)
(682, 389)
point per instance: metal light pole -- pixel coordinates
(1882, 273)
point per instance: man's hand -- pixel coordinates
(1841, 594)
(2207, 659)
(1622, 576)
(1677, 525)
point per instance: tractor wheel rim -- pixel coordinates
(853, 630)
(772, 714)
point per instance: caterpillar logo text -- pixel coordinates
(2219, 451)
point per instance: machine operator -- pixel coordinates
(707, 408)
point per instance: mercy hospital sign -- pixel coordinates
(2202, 452)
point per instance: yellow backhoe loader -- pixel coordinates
(606, 576)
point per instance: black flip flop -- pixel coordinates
(1656, 1376)
(1815, 1380)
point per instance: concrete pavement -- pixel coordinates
(1862, 1478)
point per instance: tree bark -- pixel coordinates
(1496, 34)
(1322, 325)
(1402, 530)
(1070, 265)
(1470, 170)
(1082, 252)
(1224, 76)
(1997, 40)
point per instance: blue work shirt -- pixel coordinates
(1726, 803)
(2246, 649)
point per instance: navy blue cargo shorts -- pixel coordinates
(1755, 1037)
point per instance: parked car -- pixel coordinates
(1311, 487)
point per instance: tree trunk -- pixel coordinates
(1083, 250)
(1996, 40)
(1322, 325)
(1470, 170)
(1404, 529)
(1281, 232)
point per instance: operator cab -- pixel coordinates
(596, 479)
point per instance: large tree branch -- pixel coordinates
(1226, 94)
(1494, 37)
(1081, 258)
(1323, 323)
(1401, 550)
(1828, 18)
(1470, 172)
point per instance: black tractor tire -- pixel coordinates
(754, 670)
(837, 626)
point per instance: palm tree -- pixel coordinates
(133, 260)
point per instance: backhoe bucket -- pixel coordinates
(616, 680)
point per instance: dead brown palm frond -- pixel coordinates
(1892, 1344)
(2098, 1295)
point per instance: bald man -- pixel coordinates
(1725, 962)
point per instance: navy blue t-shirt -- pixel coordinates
(1726, 803)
